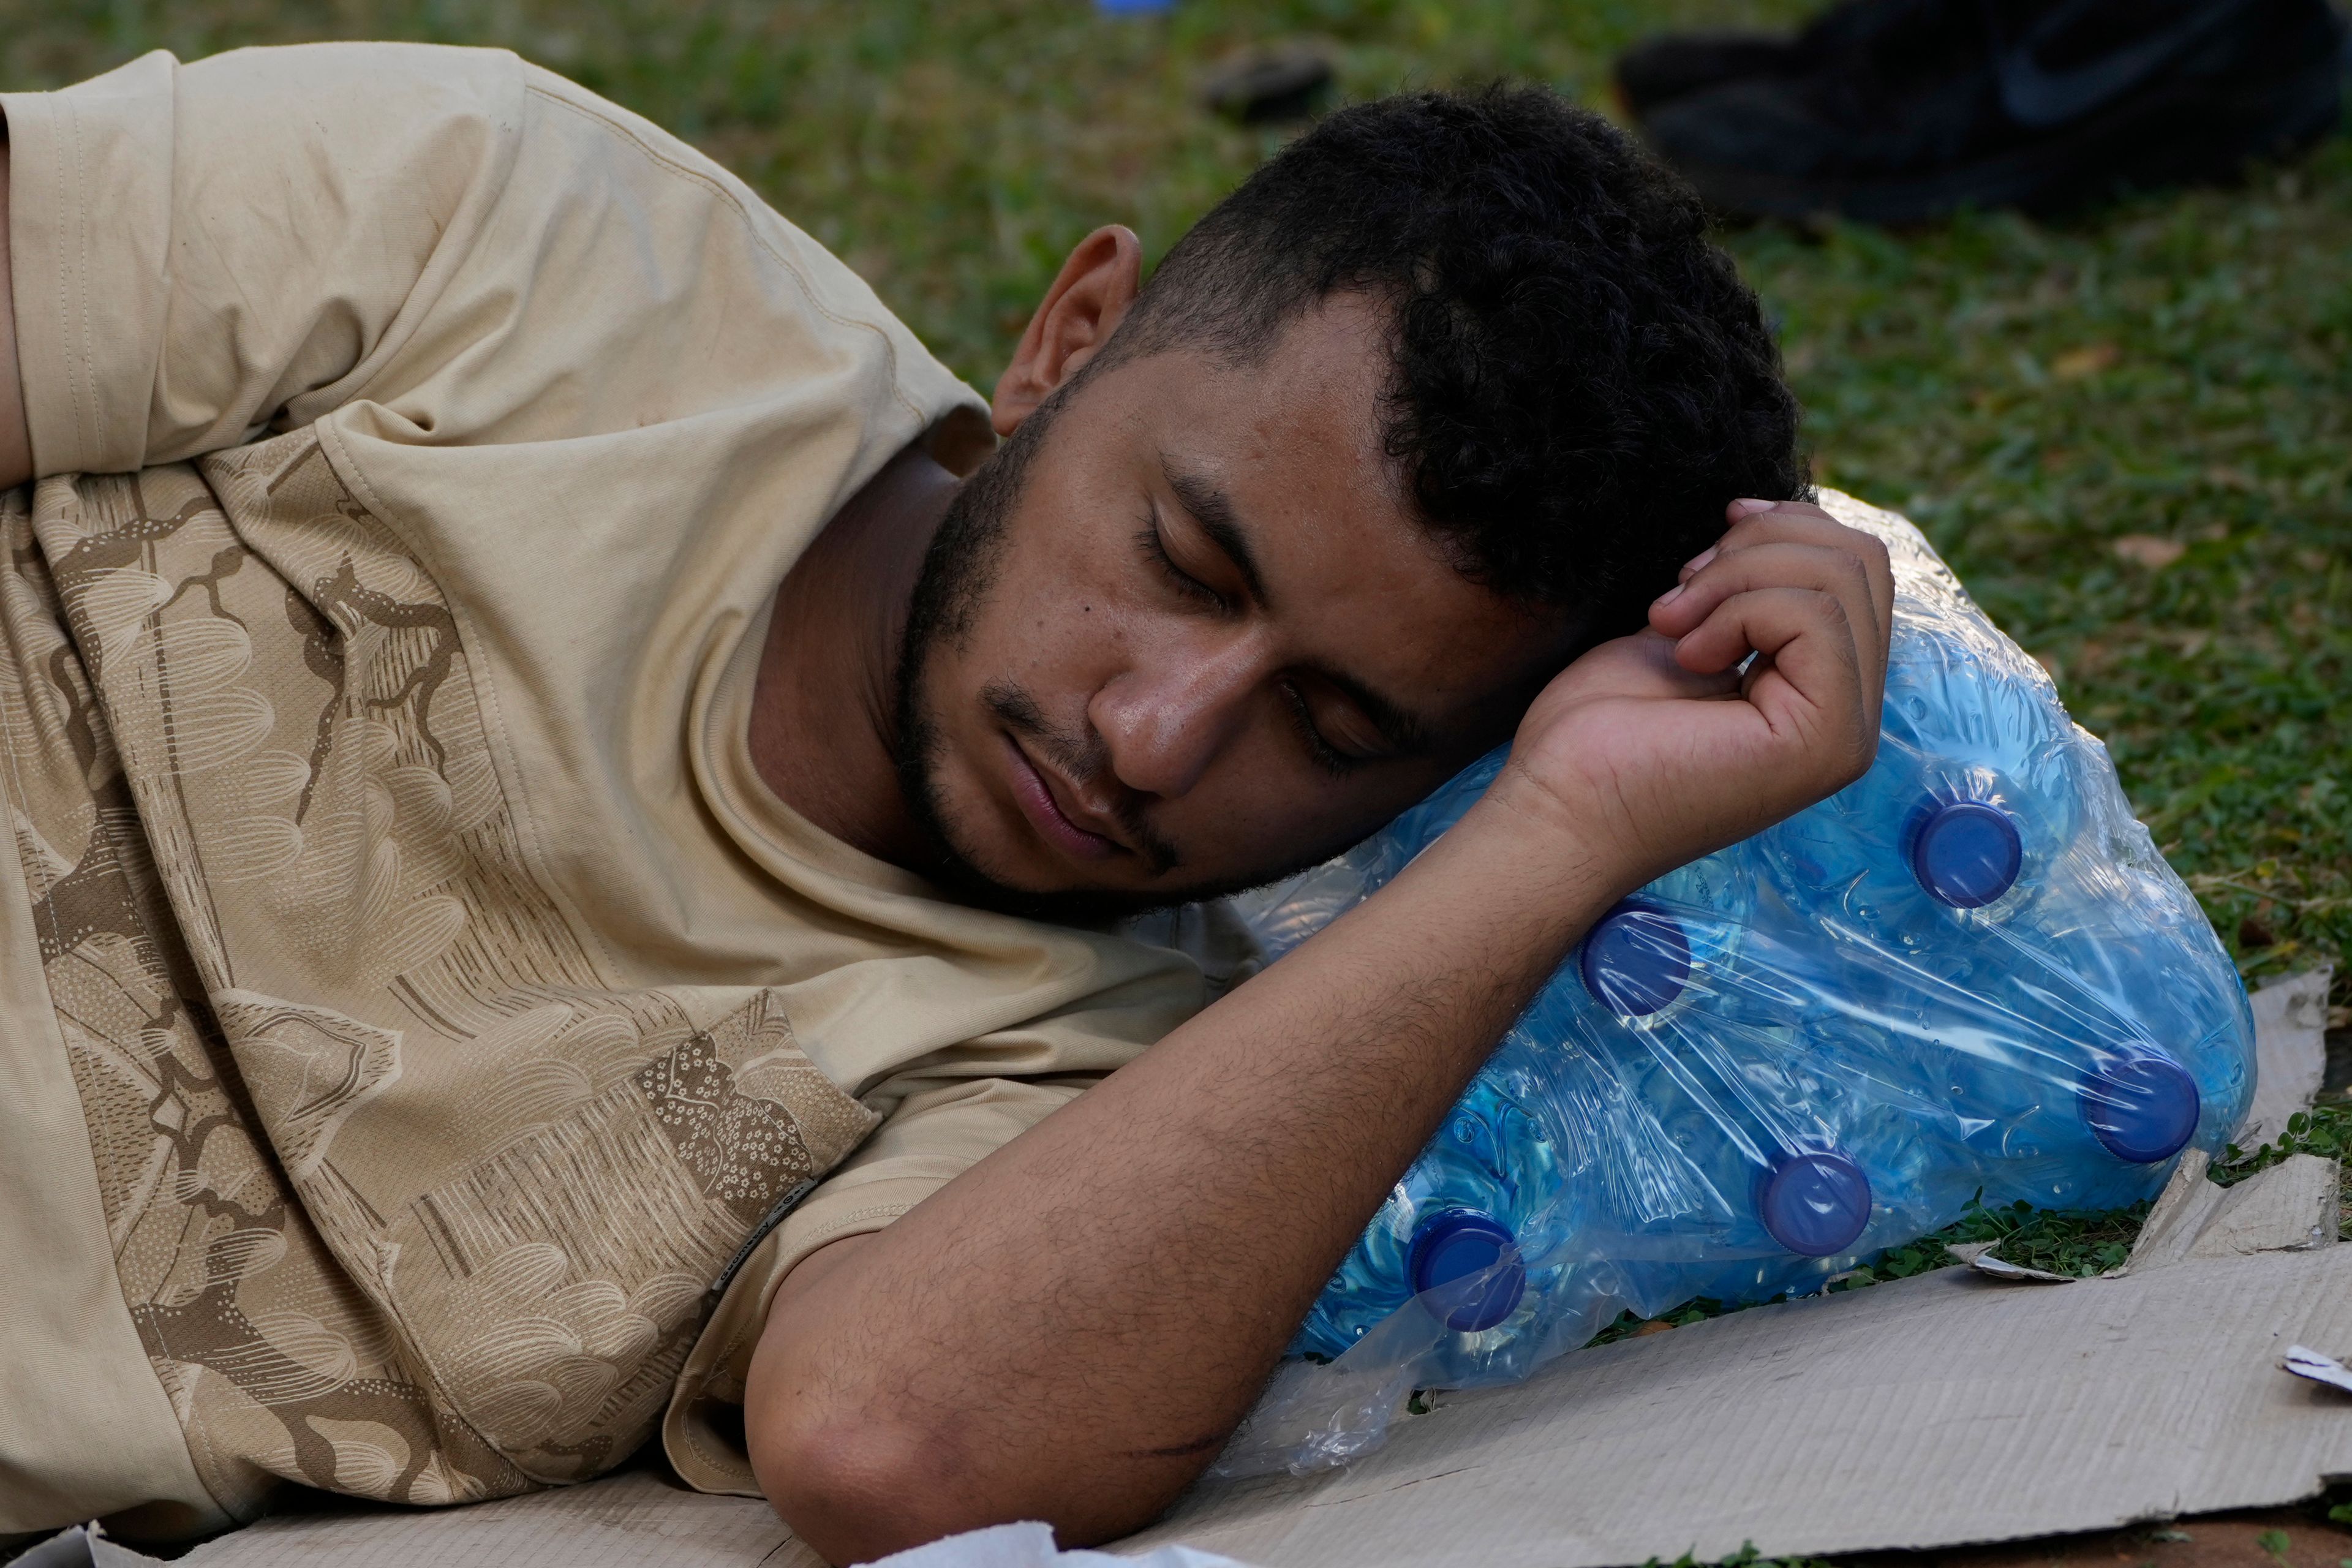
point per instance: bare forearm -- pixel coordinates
(1125, 1274)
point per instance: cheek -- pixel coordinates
(1057, 623)
(1051, 636)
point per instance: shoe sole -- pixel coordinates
(2182, 136)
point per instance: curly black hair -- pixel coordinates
(1581, 380)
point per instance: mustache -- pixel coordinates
(1085, 759)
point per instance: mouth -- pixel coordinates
(1057, 825)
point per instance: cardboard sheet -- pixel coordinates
(2294, 1206)
(1939, 1410)
(1933, 1411)
(637, 1518)
(2290, 1052)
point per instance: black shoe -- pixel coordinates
(1658, 71)
(1677, 65)
(2039, 104)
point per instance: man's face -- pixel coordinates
(1191, 638)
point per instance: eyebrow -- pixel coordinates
(1406, 735)
(1213, 511)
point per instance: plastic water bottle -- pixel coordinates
(1950, 875)
(1971, 802)
(1969, 973)
(1454, 1215)
(1496, 1190)
(1956, 885)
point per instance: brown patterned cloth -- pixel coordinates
(454, 1234)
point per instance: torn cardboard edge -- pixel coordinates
(1936, 1411)
(2295, 1205)
(2290, 1052)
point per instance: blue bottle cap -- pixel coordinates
(1133, 7)
(1461, 1245)
(2143, 1107)
(1815, 1203)
(1635, 961)
(1966, 853)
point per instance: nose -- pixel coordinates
(1167, 714)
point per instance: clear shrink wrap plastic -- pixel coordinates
(1970, 972)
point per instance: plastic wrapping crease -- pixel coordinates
(1970, 976)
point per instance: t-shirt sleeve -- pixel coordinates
(946, 1112)
(451, 246)
(932, 1137)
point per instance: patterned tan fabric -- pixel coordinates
(447, 1000)
(250, 760)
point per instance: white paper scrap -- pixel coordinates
(2304, 1361)
(2002, 1269)
(1031, 1545)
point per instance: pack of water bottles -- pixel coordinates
(1968, 975)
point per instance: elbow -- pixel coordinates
(854, 1488)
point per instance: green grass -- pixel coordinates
(2062, 409)
(2078, 1243)
(2326, 1129)
(2176, 369)
(2128, 432)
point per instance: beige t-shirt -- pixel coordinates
(430, 688)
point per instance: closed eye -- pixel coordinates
(1155, 550)
(1324, 754)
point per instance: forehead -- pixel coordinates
(1295, 441)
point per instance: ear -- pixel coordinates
(1076, 316)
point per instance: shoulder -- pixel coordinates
(346, 87)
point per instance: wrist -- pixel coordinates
(1542, 832)
(1512, 865)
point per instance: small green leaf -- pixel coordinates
(2275, 1541)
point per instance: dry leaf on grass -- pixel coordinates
(2148, 550)
(2088, 360)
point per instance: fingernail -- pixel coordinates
(1746, 506)
(1698, 563)
(1670, 595)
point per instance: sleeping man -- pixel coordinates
(574, 809)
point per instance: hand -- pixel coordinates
(1654, 749)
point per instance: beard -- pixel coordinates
(958, 570)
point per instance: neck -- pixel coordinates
(823, 710)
